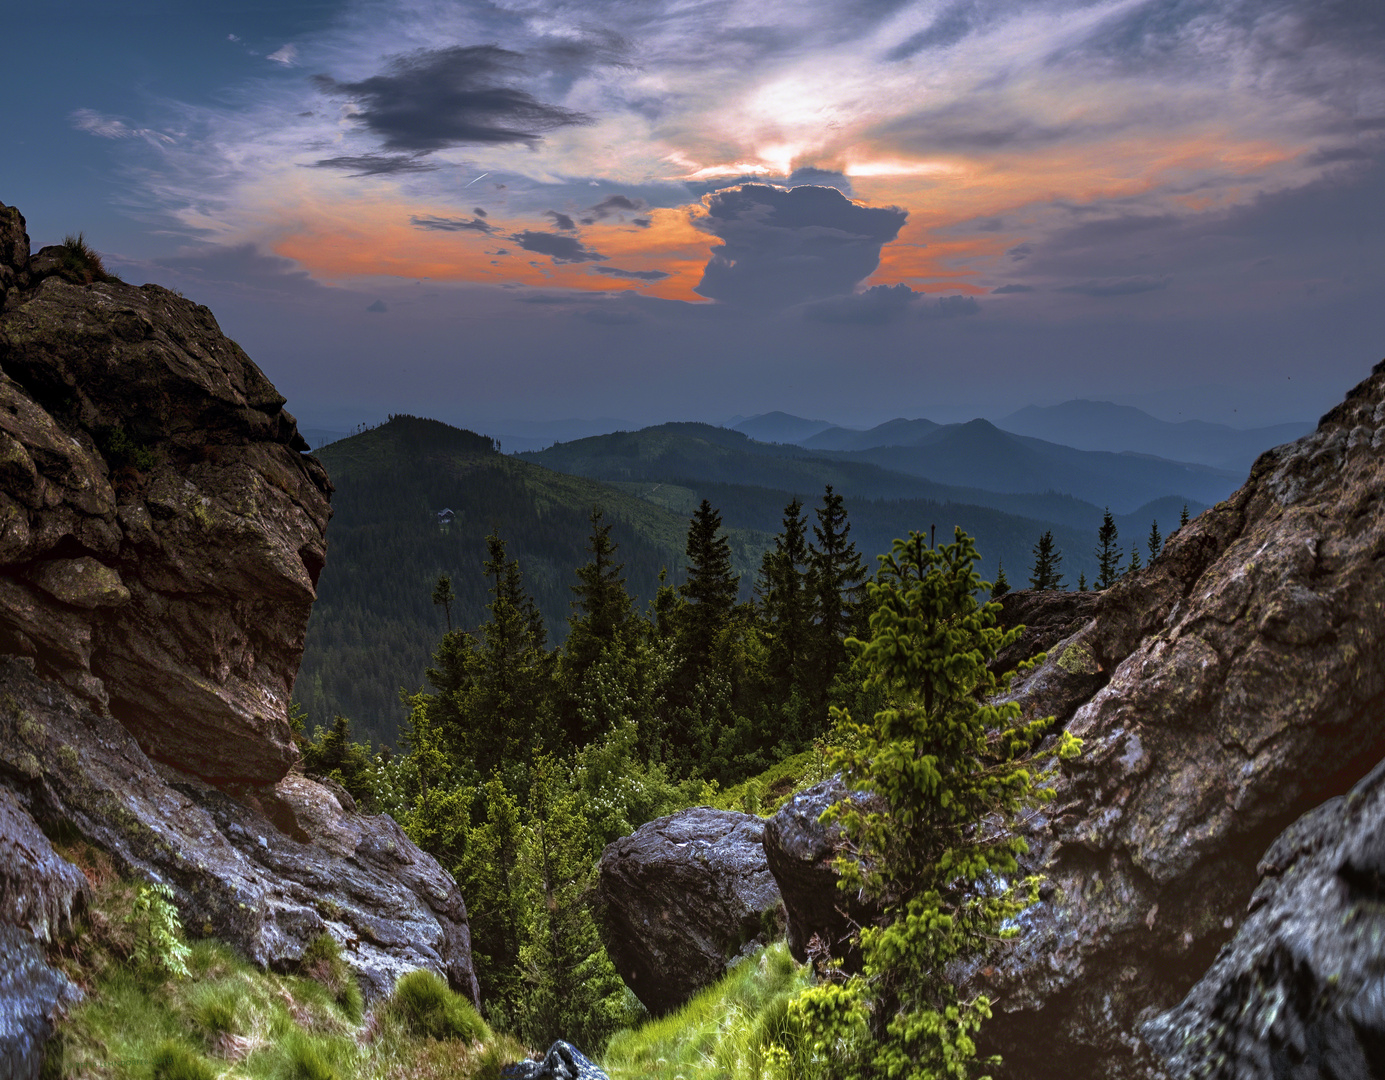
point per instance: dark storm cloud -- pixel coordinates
(561, 220)
(1126, 286)
(636, 275)
(459, 96)
(878, 304)
(613, 205)
(479, 212)
(444, 224)
(1003, 289)
(785, 247)
(562, 249)
(955, 306)
(375, 164)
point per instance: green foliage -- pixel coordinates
(738, 1029)
(1107, 553)
(1047, 560)
(1155, 541)
(943, 758)
(174, 1061)
(322, 962)
(332, 754)
(121, 450)
(1002, 584)
(159, 944)
(430, 1008)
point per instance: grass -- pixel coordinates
(738, 1029)
(228, 1020)
(82, 262)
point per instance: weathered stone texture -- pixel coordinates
(682, 897)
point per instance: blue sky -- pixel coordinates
(689, 209)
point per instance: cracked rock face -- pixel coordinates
(1300, 990)
(1243, 674)
(682, 898)
(160, 532)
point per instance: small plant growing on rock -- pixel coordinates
(81, 262)
(159, 943)
(323, 963)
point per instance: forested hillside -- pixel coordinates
(374, 626)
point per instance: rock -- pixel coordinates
(160, 532)
(563, 1062)
(800, 853)
(267, 871)
(1245, 667)
(1300, 990)
(1048, 616)
(682, 898)
(31, 993)
(39, 890)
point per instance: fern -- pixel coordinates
(159, 931)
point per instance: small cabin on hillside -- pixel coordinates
(445, 518)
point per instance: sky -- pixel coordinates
(524, 211)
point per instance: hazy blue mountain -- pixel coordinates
(779, 427)
(898, 432)
(516, 436)
(1100, 425)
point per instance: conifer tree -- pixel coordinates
(1002, 585)
(1082, 582)
(496, 902)
(1155, 542)
(443, 597)
(1107, 554)
(836, 573)
(943, 759)
(785, 605)
(709, 594)
(1183, 516)
(1047, 560)
(1135, 562)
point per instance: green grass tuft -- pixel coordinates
(428, 1007)
(173, 1061)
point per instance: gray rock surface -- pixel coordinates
(31, 994)
(562, 1062)
(682, 898)
(800, 852)
(160, 532)
(1299, 992)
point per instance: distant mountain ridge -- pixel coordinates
(1079, 424)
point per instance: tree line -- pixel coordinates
(1048, 559)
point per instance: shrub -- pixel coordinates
(158, 931)
(174, 1061)
(428, 1007)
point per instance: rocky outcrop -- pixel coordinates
(682, 898)
(160, 532)
(1246, 668)
(31, 994)
(1300, 991)
(562, 1062)
(800, 852)
(1221, 692)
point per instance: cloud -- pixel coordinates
(616, 205)
(287, 55)
(562, 249)
(636, 275)
(1125, 286)
(112, 127)
(877, 305)
(642, 222)
(950, 307)
(442, 224)
(479, 212)
(435, 98)
(561, 220)
(379, 305)
(1020, 252)
(374, 164)
(1003, 289)
(781, 247)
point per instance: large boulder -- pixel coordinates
(682, 898)
(800, 851)
(160, 532)
(1300, 991)
(31, 996)
(1244, 672)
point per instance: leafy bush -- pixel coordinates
(428, 1007)
(174, 1061)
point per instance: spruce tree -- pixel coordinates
(943, 759)
(1183, 516)
(836, 572)
(443, 597)
(1002, 585)
(1134, 563)
(1082, 582)
(1155, 542)
(785, 605)
(1047, 560)
(709, 594)
(1107, 554)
